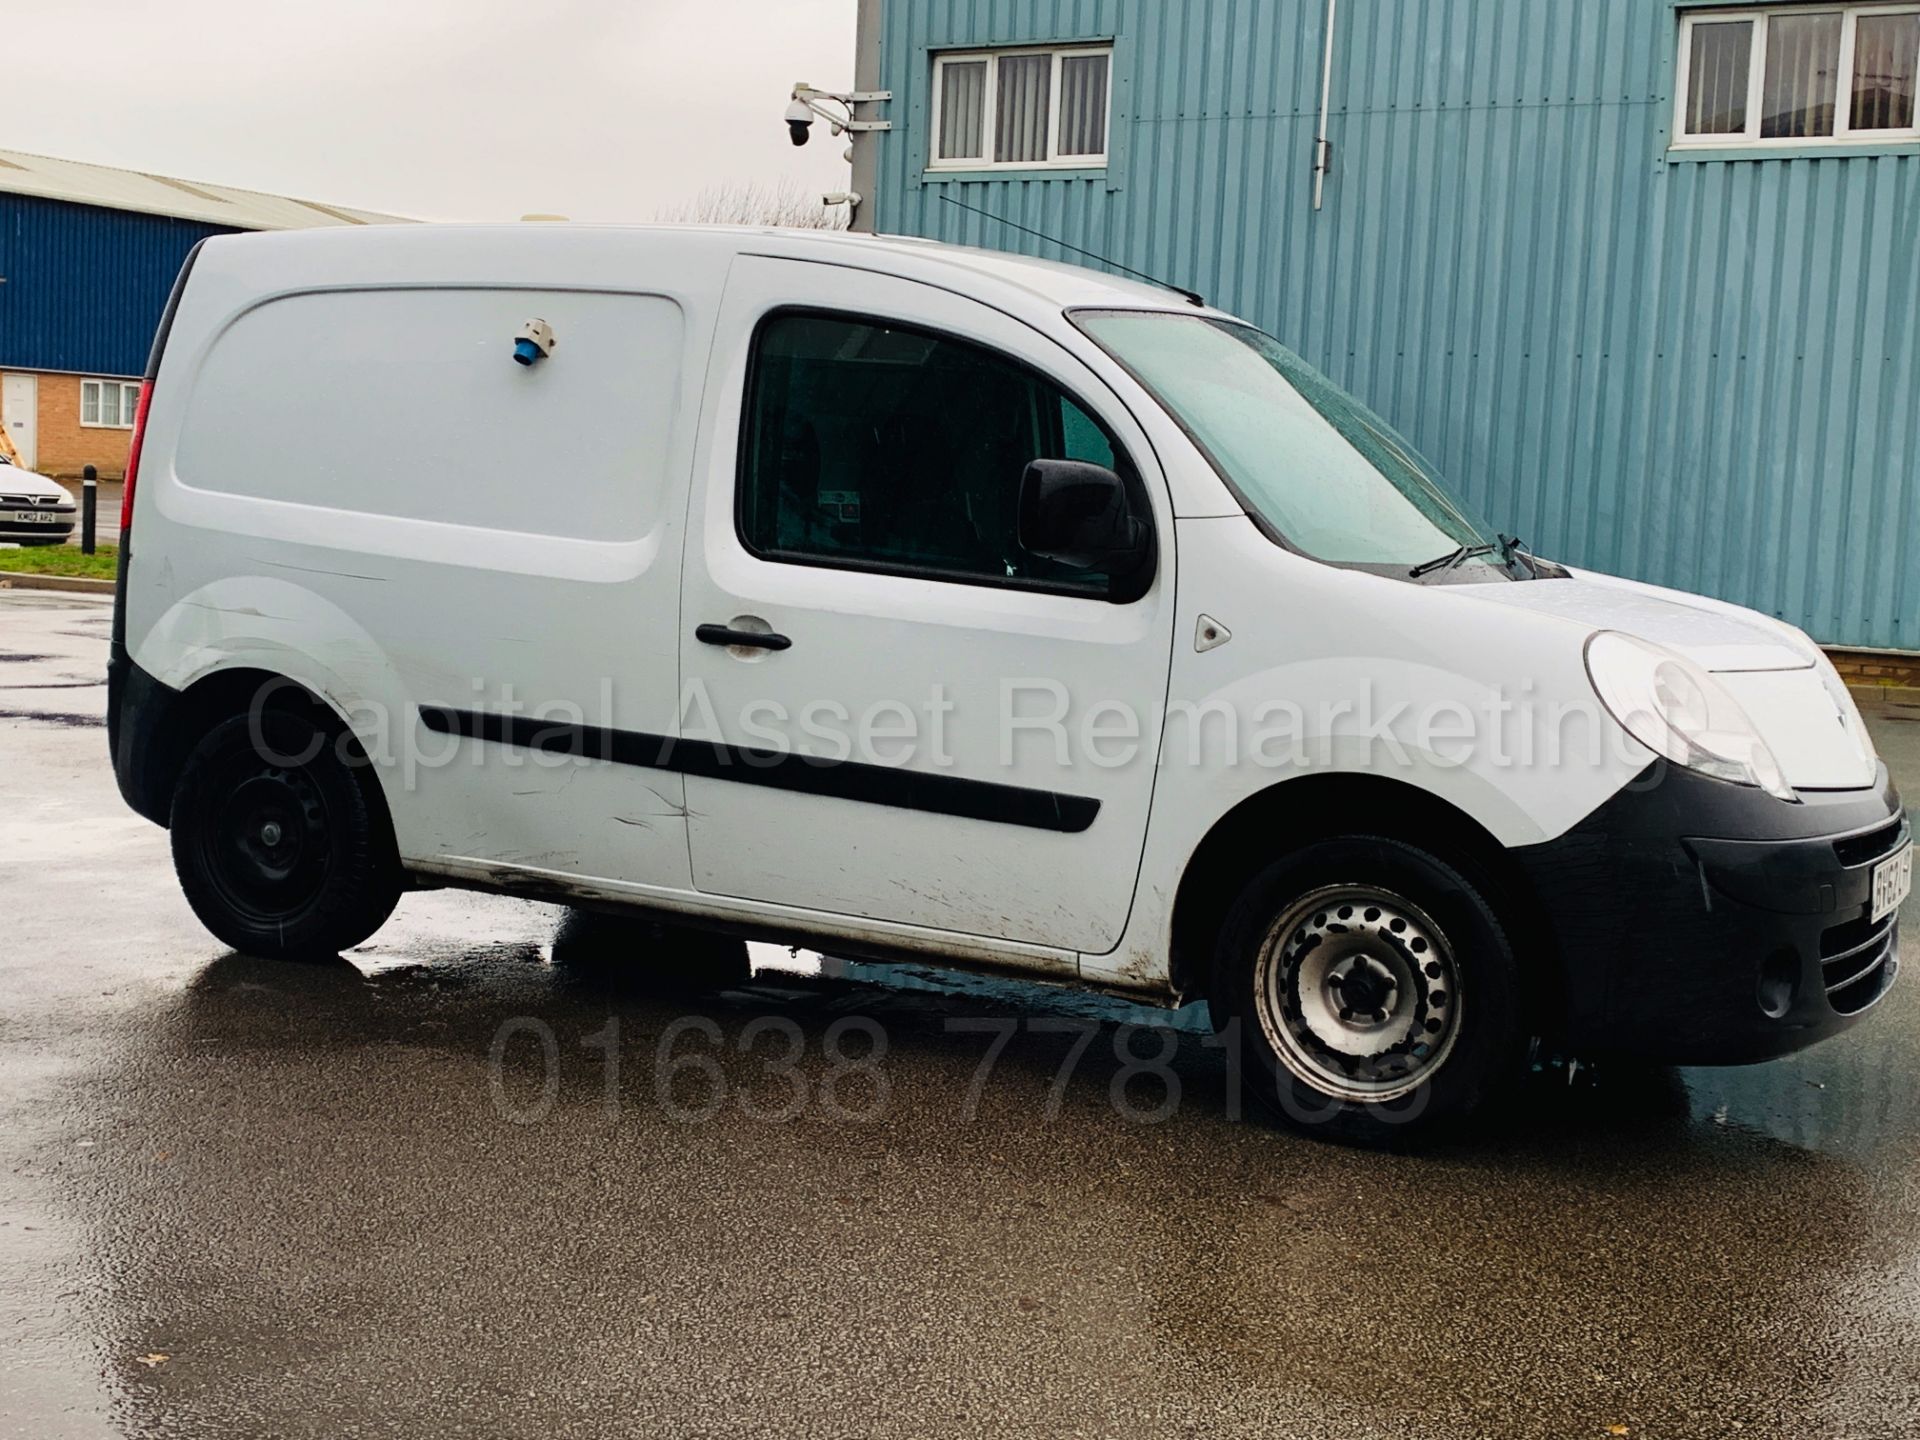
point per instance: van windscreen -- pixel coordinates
(1308, 461)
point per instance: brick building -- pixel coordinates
(87, 257)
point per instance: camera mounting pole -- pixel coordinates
(868, 74)
(813, 99)
(808, 104)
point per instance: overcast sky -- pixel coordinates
(442, 109)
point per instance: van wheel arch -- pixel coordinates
(225, 694)
(1241, 844)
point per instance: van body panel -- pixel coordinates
(497, 545)
(900, 648)
(512, 808)
(1715, 638)
(419, 373)
(792, 924)
(1341, 672)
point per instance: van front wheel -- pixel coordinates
(276, 843)
(1373, 988)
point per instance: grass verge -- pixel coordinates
(60, 560)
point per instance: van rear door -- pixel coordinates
(862, 467)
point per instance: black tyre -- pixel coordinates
(636, 948)
(280, 848)
(1374, 991)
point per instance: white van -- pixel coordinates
(897, 600)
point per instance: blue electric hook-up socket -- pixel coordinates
(534, 342)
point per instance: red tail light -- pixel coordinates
(133, 457)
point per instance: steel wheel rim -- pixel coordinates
(266, 849)
(1358, 992)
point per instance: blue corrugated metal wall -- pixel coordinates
(1701, 374)
(84, 286)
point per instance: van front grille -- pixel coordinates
(34, 502)
(1872, 845)
(1857, 961)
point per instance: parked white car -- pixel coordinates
(906, 600)
(33, 509)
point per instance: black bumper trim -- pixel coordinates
(1692, 917)
(779, 770)
(140, 711)
(14, 534)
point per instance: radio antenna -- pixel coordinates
(1193, 297)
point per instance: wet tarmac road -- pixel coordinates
(366, 1199)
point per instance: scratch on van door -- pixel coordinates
(310, 570)
(671, 806)
(544, 859)
(1140, 966)
(536, 887)
(245, 612)
(1143, 963)
(637, 824)
(560, 789)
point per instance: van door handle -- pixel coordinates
(752, 639)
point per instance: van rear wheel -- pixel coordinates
(277, 844)
(1374, 990)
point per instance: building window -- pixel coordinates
(1021, 109)
(1793, 77)
(109, 403)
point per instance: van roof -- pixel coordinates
(1068, 282)
(1050, 282)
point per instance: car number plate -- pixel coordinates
(1892, 879)
(31, 517)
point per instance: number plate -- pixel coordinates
(30, 517)
(1892, 879)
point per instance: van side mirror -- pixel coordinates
(1085, 515)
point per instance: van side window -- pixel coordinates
(880, 447)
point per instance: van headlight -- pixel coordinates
(1677, 710)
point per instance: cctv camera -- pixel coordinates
(799, 121)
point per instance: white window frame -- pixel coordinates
(990, 110)
(129, 403)
(1751, 139)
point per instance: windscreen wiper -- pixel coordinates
(1514, 550)
(1451, 559)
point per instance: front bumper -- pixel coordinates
(56, 533)
(1703, 923)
